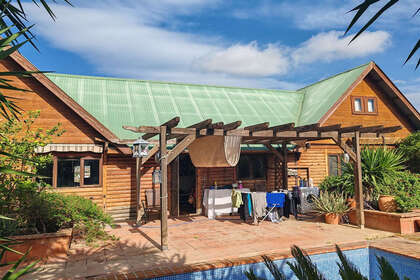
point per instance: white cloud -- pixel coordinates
(330, 14)
(136, 40)
(329, 46)
(247, 60)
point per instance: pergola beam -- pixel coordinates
(257, 127)
(282, 127)
(305, 128)
(232, 125)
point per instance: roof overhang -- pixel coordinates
(60, 94)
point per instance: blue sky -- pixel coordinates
(261, 44)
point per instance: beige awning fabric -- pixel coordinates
(215, 151)
(93, 148)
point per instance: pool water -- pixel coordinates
(364, 259)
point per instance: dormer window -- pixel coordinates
(357, 104)
(364, 105)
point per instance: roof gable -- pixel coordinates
(321, 96)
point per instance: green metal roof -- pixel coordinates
(117, 102)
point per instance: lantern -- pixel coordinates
(140, 148)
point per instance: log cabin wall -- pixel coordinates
(387, 114)
(52, 110)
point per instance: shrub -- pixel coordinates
(410, 147)
(406, 190)
(49, 212)
(341, 184)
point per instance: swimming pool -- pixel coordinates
(364, 259)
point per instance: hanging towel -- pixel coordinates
(275, 199)
(249, 204)
(260, 203)
(236, 199)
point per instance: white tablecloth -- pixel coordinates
(218, 202)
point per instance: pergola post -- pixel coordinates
(138, 195)
(285, 172)
(163, 190)
(358, 185)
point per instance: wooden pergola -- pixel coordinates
(260, 133)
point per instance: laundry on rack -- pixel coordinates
(259, 201)
(245, 211)
(236, 199)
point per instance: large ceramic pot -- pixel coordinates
(387, 203)
(332, 218)
(351, 202)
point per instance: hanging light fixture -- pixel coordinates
(140, 148)
(346, 158)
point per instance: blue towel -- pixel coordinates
(249, 204)
(275, 199)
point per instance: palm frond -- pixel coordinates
(277, 274)
(386, 270)
(304, 268)
(346, 269)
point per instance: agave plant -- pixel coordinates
(305, 269)
(330, 203)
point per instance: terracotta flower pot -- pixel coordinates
(387, 203)
(351, 202)
(332, 218)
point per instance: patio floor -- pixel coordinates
(197, 239)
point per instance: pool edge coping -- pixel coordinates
(169, 270)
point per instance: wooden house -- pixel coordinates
(93, 111)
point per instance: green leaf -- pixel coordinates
(277, 274)
(361, 9)
(346, 269)
(374, 18)
(413, 51)
(386, 270)
(7, 170)
(304, 268)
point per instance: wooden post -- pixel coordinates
(139, 207)
(285, 172)
(358, 186)
(175, 187)
(163, 190)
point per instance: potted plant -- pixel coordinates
(332, 205)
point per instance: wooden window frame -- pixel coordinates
(82, 157)
(364, 105)
(339, 158)
(251, 171)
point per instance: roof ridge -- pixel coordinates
(163, 82)
(328, 78)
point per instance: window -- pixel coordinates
(371, 105)
(76, 171)
(364, 105)
(252, 167)
(334, 164)
(357, 105)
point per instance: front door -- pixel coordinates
(187, 194)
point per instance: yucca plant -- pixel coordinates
(380, 167)
(305, 269)
(330, 203)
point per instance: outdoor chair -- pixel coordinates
(152, 205)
